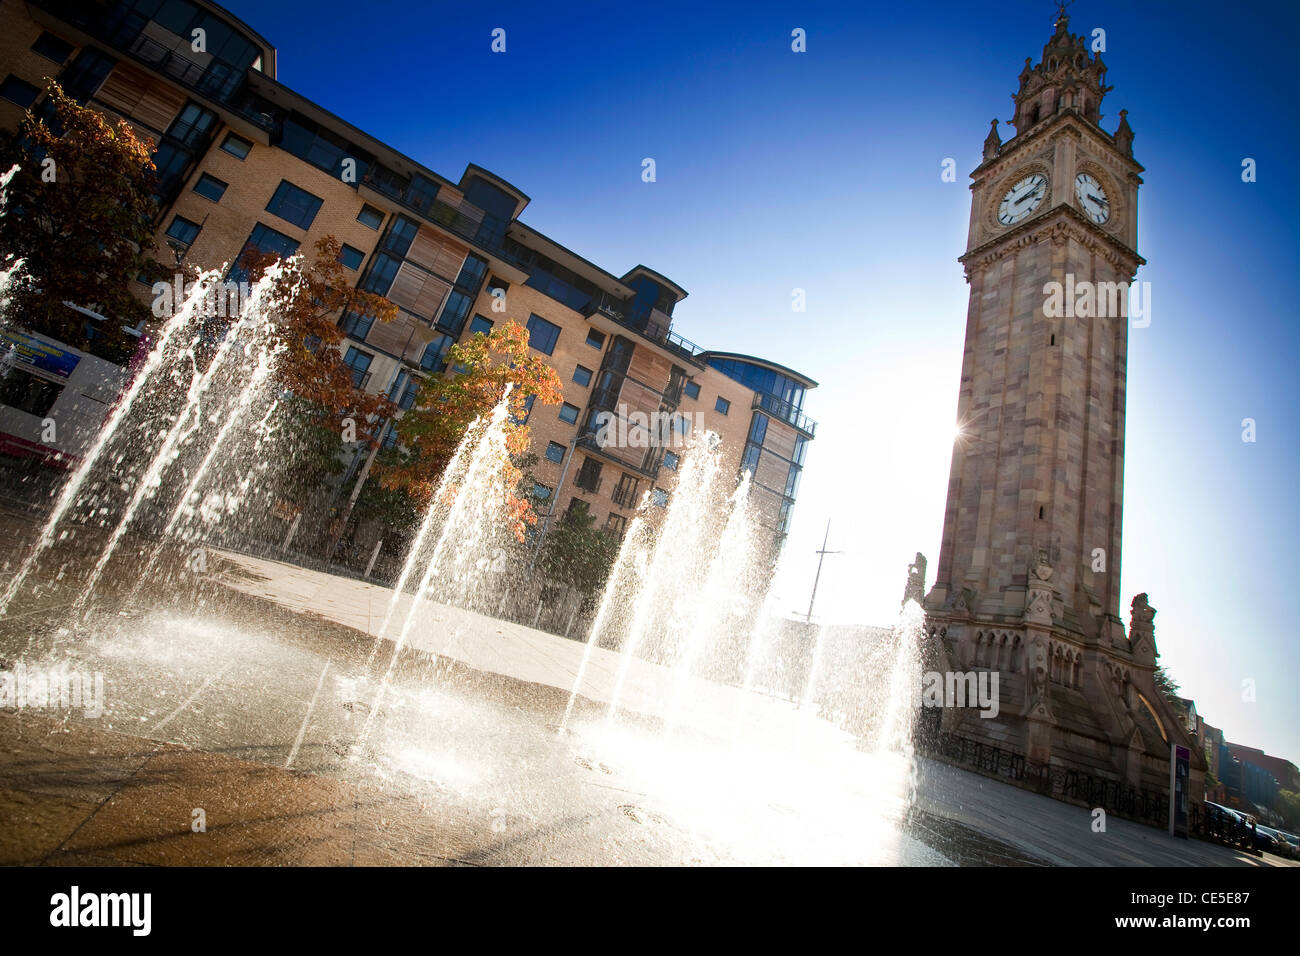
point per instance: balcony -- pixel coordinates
(122, 31)
(779, 408)
(625, 495)
(443, 215)
(656, 327)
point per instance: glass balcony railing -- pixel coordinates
(779, 408)
(660, 333)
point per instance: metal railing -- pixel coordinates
(222, 83)
(625, 495)
(662, 334)
(1062, 783)
(441, 214)
(779, 408)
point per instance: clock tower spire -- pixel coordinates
(1028, 573)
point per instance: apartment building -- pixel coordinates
(245, 162)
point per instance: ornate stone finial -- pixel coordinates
(1142, 631)
(1067, 78)
(992, 143)
(1062, 18)
(1124, 135)
(914, 590)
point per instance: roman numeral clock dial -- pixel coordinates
(1092, 198)
(1022, 199)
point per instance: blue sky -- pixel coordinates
(821, 171)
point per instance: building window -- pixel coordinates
(577, 509)
(192, 126)
(356, 325)
(800, 448)
(671, 460)
(294, 205)
(400, 235)
(390, 434)
(541, 492)
(210, 187)
(480, 324)
(528, 411)
(183, 231)
(750, 462)
(497, 286)
(589, 475)
(321, 147)
(434, 358)
(265, 240)
(582, 375)
(52, 48)
(471, 274)
(237, 146)
(659, 497)
(383, 268)
(409, 393)
(616, 524)
(693, 389)
(722, 406)
(19, 91)
(758, 428)
(350, 257)
(28, 393)
(625, 491)
(792, 482)
(568, 413)
(370, 216)
(555, 452)
(542, 335)
(596, 339)
(359, 362)
(454, 310)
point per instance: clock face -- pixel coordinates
(1022, 199)
(1092, 198)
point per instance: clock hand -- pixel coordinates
(1025, 196)
(1098, 199)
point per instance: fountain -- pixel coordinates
(733, 734)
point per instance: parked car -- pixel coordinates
(1226, 824)
(1279, 844)
(1293, 842)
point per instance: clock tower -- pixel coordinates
(1028, 571)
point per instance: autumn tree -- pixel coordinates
(80, 215)
(322, 407)
(308, 298)
(446, 405)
